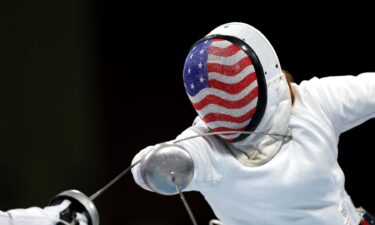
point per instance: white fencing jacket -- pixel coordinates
(33, 216)
(303, 184)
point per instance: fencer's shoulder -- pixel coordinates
(198, 127)
(323, 86)
(306, 87)
(308, 96)
(322, 82)
(198, 122)
(315, 86)
(307, 84)
(197, 139)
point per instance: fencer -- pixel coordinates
(285, 172)
(67, 208)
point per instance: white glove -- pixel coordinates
(81, 219)
(49, 215)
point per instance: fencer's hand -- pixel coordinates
(64, 214)
(166, 167)
(80, 219)
(68, 216)
(81, 211)
(56, 211)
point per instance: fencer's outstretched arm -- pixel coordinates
(347, 101)
(38, 216)
(70, 207)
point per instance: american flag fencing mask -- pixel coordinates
(220, 78)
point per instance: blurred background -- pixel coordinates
(85, 85)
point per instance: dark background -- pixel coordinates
(85, 85)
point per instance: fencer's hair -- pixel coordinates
(290, 79)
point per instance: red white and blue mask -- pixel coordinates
(221, 81)
(234, 81)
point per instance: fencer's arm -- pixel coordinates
(347, 100)
(34, 216)
(70, 207)
(165, 168)
(5, 218)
